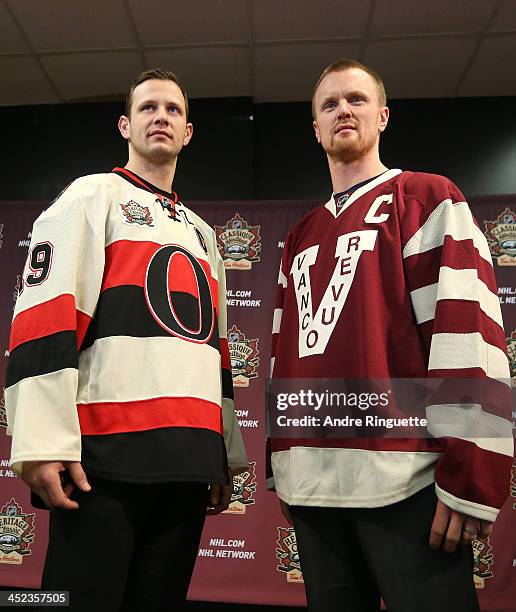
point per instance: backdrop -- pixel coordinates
(248, 554)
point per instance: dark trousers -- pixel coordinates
(350, 557)
(129, 547)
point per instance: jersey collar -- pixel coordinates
(385, 176)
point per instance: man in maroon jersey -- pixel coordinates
(390, 279)
(119, 388)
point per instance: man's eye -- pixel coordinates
(329, 105)
(356, 99)
(173, 109)
(148, 107)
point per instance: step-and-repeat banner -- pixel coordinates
(248, 554)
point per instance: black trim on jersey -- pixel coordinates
(227, 383)
(181, 454)
(123, 311)
(136, 180)
(42, 356)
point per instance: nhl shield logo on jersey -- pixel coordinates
(16, 533)
(482, 562)
(239, 244)
(135, 213)
(244, 486)
(244, 357)
(501, 236)
(287, 555)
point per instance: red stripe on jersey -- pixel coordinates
(127, 262)
(122, 417)
(423, 268)
(486, 479)
(47, 318)
(224, 354)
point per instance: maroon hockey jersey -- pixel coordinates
(398, 283)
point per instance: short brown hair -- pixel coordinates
(154, 73)
(344, 64)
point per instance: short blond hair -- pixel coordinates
(345, 64)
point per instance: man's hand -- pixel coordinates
(453, 527)
(220, 496)
(45, 479)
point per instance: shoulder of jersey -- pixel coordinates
(419, 181)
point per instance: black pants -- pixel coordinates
(128, 547)
(352, 556)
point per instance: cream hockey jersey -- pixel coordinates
(398, 283)
(118, 349)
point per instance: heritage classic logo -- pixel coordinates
(501, 236)
(244, 357)
(482, 561)
(287, 554)
(16, 533)
(136, 213)
(239, 244)
(244, 485)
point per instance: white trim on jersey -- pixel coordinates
(447, 219)
(455, 284)
(167, 369)
(276, 321)
(469, 422)
(282, 279)
(386, 176)
(462, 351)
(485, 513)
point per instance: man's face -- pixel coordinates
(348, 115)
(156, 128)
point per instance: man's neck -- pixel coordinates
(346, 174)
(161, 176)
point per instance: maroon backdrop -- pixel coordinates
(248, 554)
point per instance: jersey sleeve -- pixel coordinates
(276, 326)
(235, 449)
(60, 287)
(454, 296)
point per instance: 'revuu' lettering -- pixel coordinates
(315, 330)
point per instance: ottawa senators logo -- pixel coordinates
(135, 213)
(482, 562)
(239, 244)
(287, 554)
(244, 357)
(501, 236)
(16, 533)
(244, 486)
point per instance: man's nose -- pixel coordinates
(344, 109)
(161, 115)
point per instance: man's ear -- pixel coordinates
(316, 130)
(188, 134)
(124, 127)
(383, 119)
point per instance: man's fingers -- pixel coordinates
(78, 476)
(469, 530)
(220, 496)
(214, 495)
(285, 510)
(53, 490)
(439, 525)
(485, 529)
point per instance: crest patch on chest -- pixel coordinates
(135, 213)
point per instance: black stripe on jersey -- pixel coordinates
(42, 356)
(123, 311)
(227, 383)
(170, 454)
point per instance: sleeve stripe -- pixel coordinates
(450, 219)
(458, 351)
(455, 285)
(282, 279)
(273, 359)
(469, 422)
(224, 353)
(276, 321)
(47, 318)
